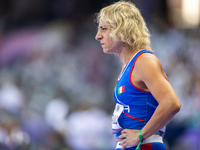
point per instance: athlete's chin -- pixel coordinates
(107, 51)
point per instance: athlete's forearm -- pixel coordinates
(163, 114)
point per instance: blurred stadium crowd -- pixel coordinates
(56, 85)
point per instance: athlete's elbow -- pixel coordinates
(176, 106)
(172, 105)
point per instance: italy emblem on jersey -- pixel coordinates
(121, 90)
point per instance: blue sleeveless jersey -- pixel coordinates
(139, 105)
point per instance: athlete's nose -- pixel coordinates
(98, 37)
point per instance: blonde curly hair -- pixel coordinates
(127, 24)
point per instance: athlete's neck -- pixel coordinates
(126, 55)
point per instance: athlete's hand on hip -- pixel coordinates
(129, 138)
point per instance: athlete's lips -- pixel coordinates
(102, 44)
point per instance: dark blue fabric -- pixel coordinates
(138, 103)
(158, 146)
(154, 146)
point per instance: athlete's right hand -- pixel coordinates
(129, 138)
(118, 140)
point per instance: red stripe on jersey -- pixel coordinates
(133, 117)
(132, 71)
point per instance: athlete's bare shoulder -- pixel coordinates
(148, 66)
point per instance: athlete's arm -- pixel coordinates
(148, 75)
(150, 71)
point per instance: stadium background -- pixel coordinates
(56, 84)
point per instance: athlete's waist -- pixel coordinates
(151, 139)
(159, 133)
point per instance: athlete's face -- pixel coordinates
(103, 36)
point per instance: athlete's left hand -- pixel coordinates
(129, 138)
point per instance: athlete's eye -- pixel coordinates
(103, 28)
